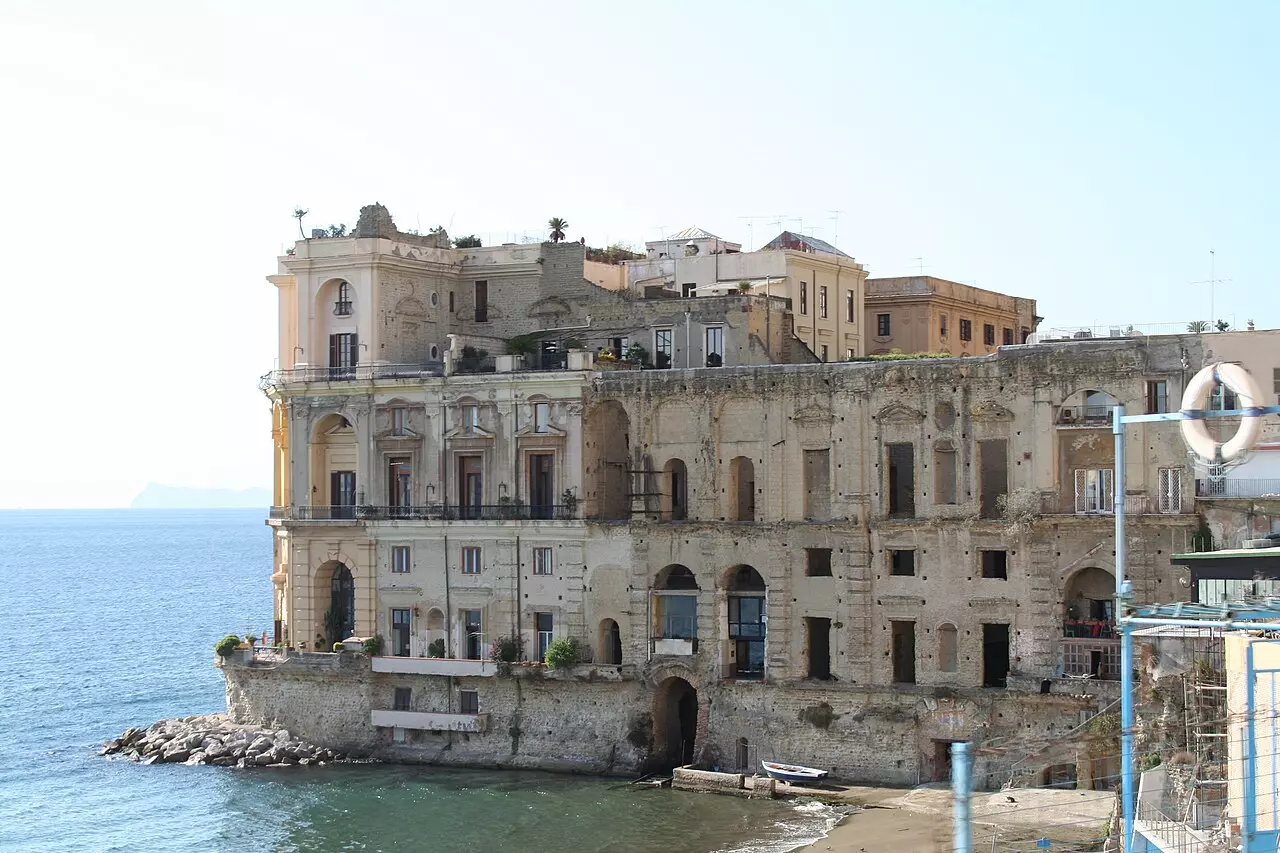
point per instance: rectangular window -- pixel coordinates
(401, 631)
(942, 325)
(988, 334)
(450, 301)
(882, 325)
(400, 485)
(543, 561)
(903, 651)
(822, 303)
(1222, 399)
(541, 416)
(902, 563)
(1094, 490)
(403, 699)
(482, 301)
(1157, 396)
(545, 624)
(1007, 337)
(901, 484)
(995, 655)
(824, 352)
(471, 561)
(849, 306)
(966, 330)
(715, 346)
(993, 475)
(400, 421)
(473, 634)
(804, 298)
(662, 348)
(343, 355)
(817, 562)
(688, 290)
(470, 417)
(400, 559)
(848, 354)
(1170, 490)
(468, 702)
(995, 565)
(818, 634)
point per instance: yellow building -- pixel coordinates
(928, 314)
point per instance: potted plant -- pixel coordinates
(569, 500)
(226, 647)
(563, 653)
(436, 649)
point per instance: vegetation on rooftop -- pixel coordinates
(615, 254)
(898, 355)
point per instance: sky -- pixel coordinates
(1088, 155)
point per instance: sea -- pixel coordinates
(108, 620)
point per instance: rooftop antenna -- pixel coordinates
(1212, 280)
(835, 228)
(751, 223)
(919, 265)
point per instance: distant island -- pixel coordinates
(159, 496)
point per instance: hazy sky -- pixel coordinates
(1083, 155)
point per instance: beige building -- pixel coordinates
(824, 286)
(919, 314)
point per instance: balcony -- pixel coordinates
(353, 373)
(1080, 657)
(1230, 487)
(1084, 416)
(342, 308)
(428, 512)
(674, 646)
(313, 513)
(435, 666)
(429, 721)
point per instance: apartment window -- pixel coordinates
(902, 563)
(482, 301)
(824, 353)
(995, 565)
(400, 559)
(1094, 490)
(662, 348)
(903, 651)
(966, 330)
(543, 561)
(688, 290)
(471, 561)
(1157, 396)
(901, 485)
(619, 347)
(942, 325)
(715, 346)
(882, 325)
(804, 297)
(1007, 337)
(400, 421)
(1170, 490)
(344, 351)
(403, 699)
(1222, 399)
(822, 303)
(468, 702)
(342, 307)
(849, 305)
(848, 354)
(545, 624)
(473, 634)
(470, 418)
(541, 416)
(995, 655)
(988, 334)
(817, 562)
(818, 636)
(993, 475)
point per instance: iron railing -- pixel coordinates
(429, 512)
(342, 308)
(354, 373)
(1230, 487)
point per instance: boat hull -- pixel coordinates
(792, 772)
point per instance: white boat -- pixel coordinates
(792, 772)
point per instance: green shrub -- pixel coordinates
(563, 653)
(373, 645)
(337, 647)
(507, 649)
(226, 645)
(436, 649)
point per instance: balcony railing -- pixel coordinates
(314, 513)
(1089, 658)
(1084, 416)
(746, 630)
(354, 373)
(342, 308)
(434, 666)
(1230, 487)
(430, 512)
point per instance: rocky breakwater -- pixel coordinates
(214, 739)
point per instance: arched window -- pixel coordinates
(746, 622)
(610, 643)
(675, 611)
(342, 306)
(948, 656)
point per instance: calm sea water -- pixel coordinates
(109, 619)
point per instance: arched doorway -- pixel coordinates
(610, 642)
(675, 723)
(675, 491)
(340, 618)
(746, 623)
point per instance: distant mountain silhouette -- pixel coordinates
(159, 496)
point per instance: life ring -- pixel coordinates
(1199, 389)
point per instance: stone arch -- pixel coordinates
(675, 723)
(608, 440)
(675, 576)
(334, 594)
(948, 648)
(742, 489)
(742, 578)
(675, 490)
(609, 643)
(1088, 595)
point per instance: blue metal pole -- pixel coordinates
(1127, 792)
(961, 783)
(1251, 752)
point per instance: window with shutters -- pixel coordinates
(468, 702)
(471, 561)
(822, 302)
(883, 325)
(1170, 490)
(966, 330)
(850, 302)
(804, 297)
(543, 561)
(1006, 336)
(1094, 491)
(400, 559)
(1157, 396)
(988, 334)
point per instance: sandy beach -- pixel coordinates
(918, 820)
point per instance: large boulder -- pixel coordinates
(260, 745)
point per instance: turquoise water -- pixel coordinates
(109, 622)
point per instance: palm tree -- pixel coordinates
(557, 226)
(1197, 326)
(298, 213)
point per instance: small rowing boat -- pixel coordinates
(792, 772)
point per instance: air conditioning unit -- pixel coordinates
(1068, 415)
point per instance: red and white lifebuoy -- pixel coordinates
(1249, 398)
